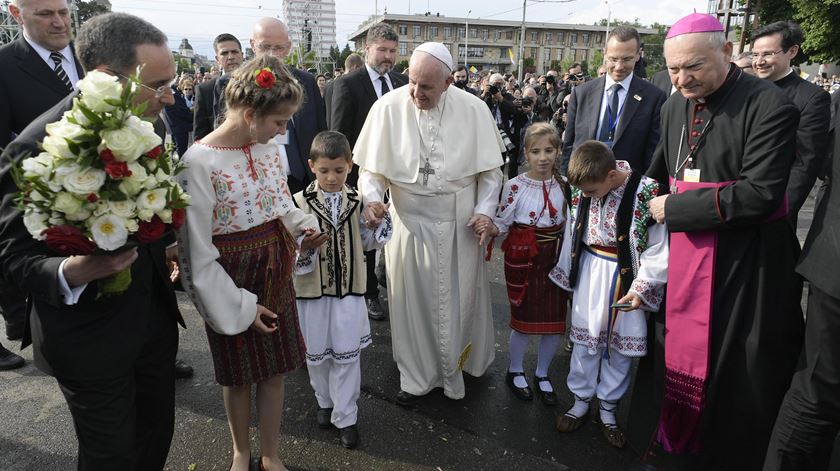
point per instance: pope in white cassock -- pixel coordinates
(438, 150)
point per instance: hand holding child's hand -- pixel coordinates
(373, 213)
(312, 239)
(657, 208)
(483, 227)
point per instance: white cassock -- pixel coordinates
(438, 294)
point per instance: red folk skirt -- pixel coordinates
(260, 260)
(537, 305)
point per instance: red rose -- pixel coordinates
(155, 153)
(67, 240)
(92, 198)
(117, 170)
(150, 231)
(266, 79)
(178, 216)
(107, 156)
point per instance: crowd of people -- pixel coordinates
(648, 221)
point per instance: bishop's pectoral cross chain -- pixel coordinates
(427, 169)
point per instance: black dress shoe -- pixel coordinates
(407, 399)
(349, 436)
(375, 311)
(9, 360)
(183, 370)
(325, 418)
(547, 398)
(14, 331)
(522, 393)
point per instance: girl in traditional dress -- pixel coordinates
(238, 247)
(531, 217)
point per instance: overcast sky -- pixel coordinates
(201, 20)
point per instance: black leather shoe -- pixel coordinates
(522, 393)
(547, 398)
(325, 418)
(375, 311)
(183, 370)
(349, 436)
(9, 360)
(407, 399)
(14, 331)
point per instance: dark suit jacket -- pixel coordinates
(28, 87)
(95, 338)
(812, 136)
(637, 133)
(328, 93)
(821, 252)
(662, 80)
(353, 96)
(207, 104)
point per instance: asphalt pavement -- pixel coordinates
(488, 430)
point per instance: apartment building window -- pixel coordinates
(461, 33)
(403, 48)
(560, 54)
(433, 31)
(560, 37)
(548, 37)
(416, 31)
(485, 34)
(508, 35)
(534, 52)
(535, 36)
(471, 52)
(447, 31)
(403, 30)
(497, 34)
(585, 39)
(474, 33)
(573, 38)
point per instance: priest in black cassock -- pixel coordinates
(733, 325)
(774, 47)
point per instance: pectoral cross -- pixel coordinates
(427, 170)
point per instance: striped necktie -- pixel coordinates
(59, 70)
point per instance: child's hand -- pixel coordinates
(483, 227)
(373, 213)
(633, 299)
(312, 239)
(265, 322)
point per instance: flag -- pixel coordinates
(804, 75)
(473, 69)
(510, 54)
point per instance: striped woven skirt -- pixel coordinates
(260, 260)
(537, 305)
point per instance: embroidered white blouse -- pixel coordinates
(232, 189)
(524, 202)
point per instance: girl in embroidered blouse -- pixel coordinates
(238, 248)
(531, 217)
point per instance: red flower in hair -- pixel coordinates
(265, 78)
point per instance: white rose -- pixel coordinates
(124, 143)
(132, 226)
(165, 215)
(97, 87)
(84, 182)
(162, 176)
(123, 209)
(36, 195)
(109, 232)
(145, 214)
(82, 215)
(56, 219)
(145, 131)
(58, 133)
(67, 204)
(38, 166)
(100, 207)
(138, 172)
(76, 114)
(154, 200)
(130, 187)
(151, 183)
(35, 222)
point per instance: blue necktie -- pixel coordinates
(605, 135)
(293, 154)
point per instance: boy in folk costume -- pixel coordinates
(531, 217)
(331, 287)
(614, 260)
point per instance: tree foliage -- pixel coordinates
(89, 9)
(819, 22)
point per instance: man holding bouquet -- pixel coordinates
(112, 354)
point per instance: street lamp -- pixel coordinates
(466, 44)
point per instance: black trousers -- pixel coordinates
(126, 422)
(372, 289)
(809, 419)
(13, 304)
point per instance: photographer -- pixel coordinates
(503, 110)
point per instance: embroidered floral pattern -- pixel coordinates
(626, 345)
(525, 203)
(650, 293)
(344, 356)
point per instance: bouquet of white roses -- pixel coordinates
(103, 180)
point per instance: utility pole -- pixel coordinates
(522, 44)
(466, 44)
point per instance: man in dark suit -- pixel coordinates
(271, 36)
(619, 109)
(774, 48)
(209, 95)
(353, 62)
(809, 418)
(662, 80)
(39, 70)
(113, 357)
(353, 96)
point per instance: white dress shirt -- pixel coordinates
(67, 61)
(605, 99)
(377, 84)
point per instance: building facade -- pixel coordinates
(311, 24)
(489, 44)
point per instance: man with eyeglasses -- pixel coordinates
(113, 357)
(619, 109)
(271, 36)
(209, 95)
(743, 61)
(39, 69)
(774, 48)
